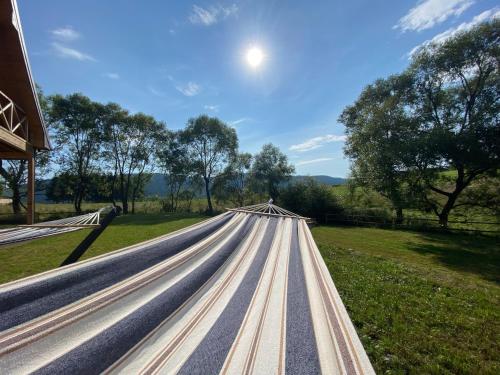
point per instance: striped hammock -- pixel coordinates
(243, 292)
(49, 228)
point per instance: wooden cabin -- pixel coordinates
(22, 130)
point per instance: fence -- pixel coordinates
(413, 223)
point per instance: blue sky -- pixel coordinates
(176, 60)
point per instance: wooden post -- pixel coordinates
(30, 215)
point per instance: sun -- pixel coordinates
(254, 57)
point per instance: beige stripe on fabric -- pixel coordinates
(46, 349)
(350, 354)
(254, 344)
(27, 332)
(84, 263)
(170, 345)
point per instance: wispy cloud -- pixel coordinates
(442, 37)
(155, 92)
(65, 34)
(239, 121)
(71, 53)
(112, 75)
(211, 15)
(317, 142)
(213, 108)
(428, 13)
(313, 161)
(189, 89)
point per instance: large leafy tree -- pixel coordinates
(77, 124)
(212, 144)
(456, 100)
(177, 167)
(447, 118)
(379, 131)
(130, 144)
(270, 169)
(234, 183)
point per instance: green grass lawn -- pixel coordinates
(422, 303)
(24, 259)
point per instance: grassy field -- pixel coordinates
(422, 303)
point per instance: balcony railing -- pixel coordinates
(12, 117)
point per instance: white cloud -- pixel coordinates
(313, 161)
(112, 75)
(239, 121)
(429, 13)
(442, 37)
(156, 92)
(211, 15)
(71, 53)
(65, 34)
(189, 89)
(317, 142)
(214, 108)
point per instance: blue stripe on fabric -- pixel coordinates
(101, 351)
(210, 354)
(23, 304)
(301, 351)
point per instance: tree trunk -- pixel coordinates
(124, 205)
(209, 200)
(78, 205)
(16, 200)
(399, 215)
(445, 212)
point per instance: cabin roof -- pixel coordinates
(16, 80)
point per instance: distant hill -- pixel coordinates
(158, 187)
(323, 179)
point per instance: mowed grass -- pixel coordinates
(28, 258)
(422, 303)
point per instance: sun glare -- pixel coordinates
(254, 57)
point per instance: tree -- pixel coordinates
(14, 174)
(130, 143)
(212, 144)
(379, 129)
(441, 114)
(456, 99)
(177, 167)
(233, 183)
(309, 198)
(270, 169)
(78, 130)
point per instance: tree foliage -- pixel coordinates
(442, 113)
(128, 142)
(309, 198)
(270, 169)
(78, 131)
(211, 145)
(233, 184)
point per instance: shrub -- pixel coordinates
(309, 198)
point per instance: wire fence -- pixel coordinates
(417, 223)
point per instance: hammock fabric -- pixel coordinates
(49, 228)
(243, 292)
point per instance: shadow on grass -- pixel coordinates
(154, 219)
(479, 255)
